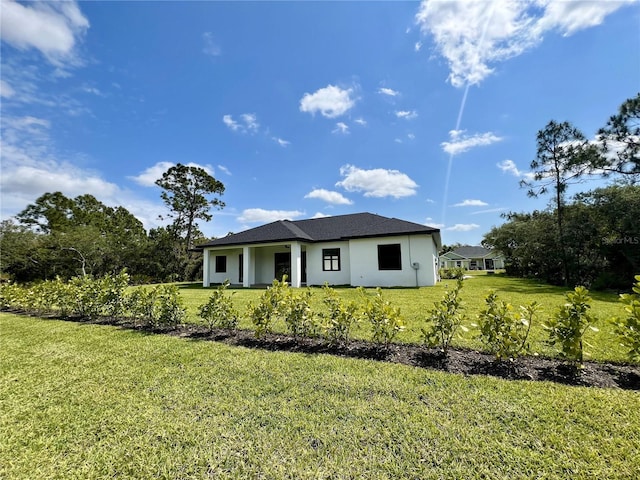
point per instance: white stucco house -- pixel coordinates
(472, 258)
(359, 249)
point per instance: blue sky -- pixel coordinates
(422, 111)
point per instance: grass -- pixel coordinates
(88, 401)
(416, 302)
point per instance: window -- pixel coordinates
(221, 263)
(331, 259)
(389, 257)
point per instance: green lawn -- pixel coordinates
(415, 304)
(87, 401)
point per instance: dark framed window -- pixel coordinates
(330, 259)
(389, 257)
(221, 263)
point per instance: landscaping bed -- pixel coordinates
(458, 361)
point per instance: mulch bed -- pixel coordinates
(458, 361)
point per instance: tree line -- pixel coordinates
(594, 237)
(57, 236)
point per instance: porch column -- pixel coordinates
(296, 265)
(248, 273)
(205, 268)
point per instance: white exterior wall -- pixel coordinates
(315, 274)
(265, 262)
(413, 248)
(233, 266)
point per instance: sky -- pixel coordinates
(424, 111)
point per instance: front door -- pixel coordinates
(282, 262)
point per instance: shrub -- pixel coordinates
(451, 273)
(219, 311)
(169, 311)
(385, 319)
(298, 315)
(86, 297)
(628, 329)
(112, 294)
(269, 307)
(141, 305)
(502, 332)
(568, 325)
(339, 317)
(444, 319)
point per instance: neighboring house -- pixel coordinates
(361, 249)
(472, 258)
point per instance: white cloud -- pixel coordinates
(335, 198)
(411, 136)
(224, 170)
(417, 47)
(377, 182)
(475, 34)
(471, 203)
(463, 227)
(320, 215)
(149, 176)
(361, 121)
(259, 215)
(210, 47)
(330, 101)
(251, 121)
(281, 142)
(430, 223)
(406, 114)
(30, 167)
(388, 91)
(509, 166)
(248, 124)
(5, 90)
(342, 128)
(460, 142)
(53, 28)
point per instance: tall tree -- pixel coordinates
(185, 193)
(563, 156)
(620, 142)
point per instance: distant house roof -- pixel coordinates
(326, 229)
(470, 252)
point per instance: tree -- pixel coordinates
(185, 193)
(564, 155)
(620, 141)
(79, 235)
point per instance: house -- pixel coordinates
(472, 258)
(359, 249)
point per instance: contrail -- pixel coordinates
(445, 198)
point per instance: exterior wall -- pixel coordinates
(414, 248)
(233, 266)
(265, 262)
(315, 274)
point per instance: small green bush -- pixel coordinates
(451, 273)
(169, 310)
(339, 317)
(269, 308)
(502, 331)
(298, 314)
(567, 327)
(445, 319)
(628, 328)
(385, 319)
(219, 311)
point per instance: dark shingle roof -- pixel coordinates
(472, 252)
(340, 227)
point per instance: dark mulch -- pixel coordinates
(460, 361)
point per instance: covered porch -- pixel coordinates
(256, 265)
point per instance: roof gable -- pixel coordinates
(472, 252)
(340, 227)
